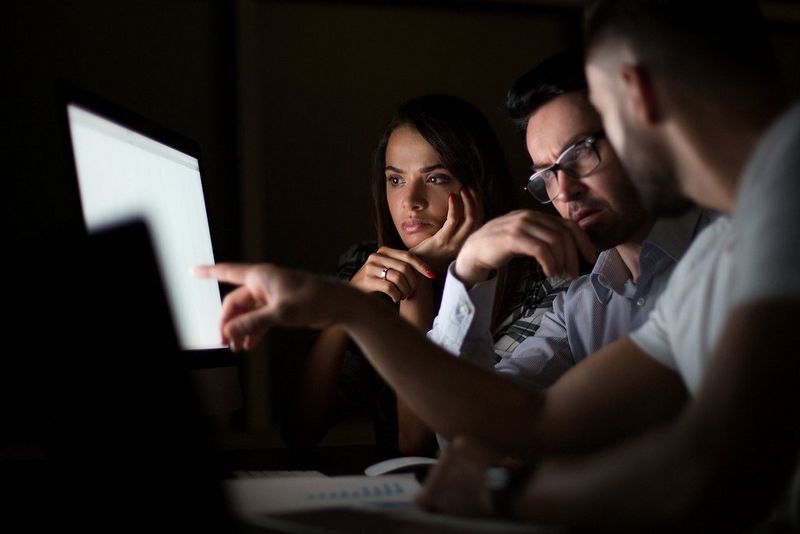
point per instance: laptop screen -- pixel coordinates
(124, 174)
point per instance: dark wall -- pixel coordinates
(170, 61)
(321, 81)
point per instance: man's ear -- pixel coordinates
(638, 86)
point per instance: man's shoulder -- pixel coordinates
(578, 289)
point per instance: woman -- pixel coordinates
(439, 173)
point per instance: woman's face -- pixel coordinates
(417, 186)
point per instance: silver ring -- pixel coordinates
(382, 276)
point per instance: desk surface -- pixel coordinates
(331, 461)
(352, 460)
(356, 520)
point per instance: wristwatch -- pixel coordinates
(504, 486)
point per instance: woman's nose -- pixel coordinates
(414, 197)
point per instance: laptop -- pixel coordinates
(102, 428)
(128, 167)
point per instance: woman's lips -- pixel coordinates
(412, 226)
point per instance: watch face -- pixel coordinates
(503, 484)
(497, 478)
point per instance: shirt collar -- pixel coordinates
(667, 240)
(673, 236)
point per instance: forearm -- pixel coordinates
(415, 437)
(721, 464)
(647, 482)
(450, 396)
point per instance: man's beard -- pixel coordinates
(655, 181)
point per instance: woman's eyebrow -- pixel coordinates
(430, 168)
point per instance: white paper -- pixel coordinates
(255, 497)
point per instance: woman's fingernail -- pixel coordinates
(430, 273)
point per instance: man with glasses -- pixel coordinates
(576, 171)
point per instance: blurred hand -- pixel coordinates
(391, 271)
(552, 241)
(457, 483)
(464, 216)
(269, 295)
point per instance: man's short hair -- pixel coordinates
(558, 75)
(708, 38)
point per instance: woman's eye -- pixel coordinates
(394, 180)
(438, 179)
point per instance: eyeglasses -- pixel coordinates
(577, 161)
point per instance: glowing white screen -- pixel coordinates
(123, 175)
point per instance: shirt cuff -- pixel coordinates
(463, 314)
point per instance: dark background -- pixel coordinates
(287, 100)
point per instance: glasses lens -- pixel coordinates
(543, 185)
(580, 160)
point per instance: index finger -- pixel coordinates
(231, 273)
(412, 259)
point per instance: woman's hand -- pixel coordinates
(464, 216)
(391, 271)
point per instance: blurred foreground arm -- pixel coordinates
(719, 466)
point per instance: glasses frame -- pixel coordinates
(590, 140)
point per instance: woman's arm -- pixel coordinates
(315, 398)
(414, 436)
(464, 216)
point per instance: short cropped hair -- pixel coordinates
(558, 75)
(708, 38)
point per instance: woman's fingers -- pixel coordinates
(406, 258)
(455, 217)
(403, 282)
(393, 272)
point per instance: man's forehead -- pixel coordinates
(556, 124)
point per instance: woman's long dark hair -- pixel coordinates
(469, 149)
(467, 145)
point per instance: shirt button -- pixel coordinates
(640, 301)
(464, 310)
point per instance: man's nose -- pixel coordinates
(569, 188)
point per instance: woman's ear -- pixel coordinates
(640, 92)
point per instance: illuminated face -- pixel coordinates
(417, 186)
(642, 152)
(604, 203)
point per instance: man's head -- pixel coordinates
(563, 134)
(655, 64)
